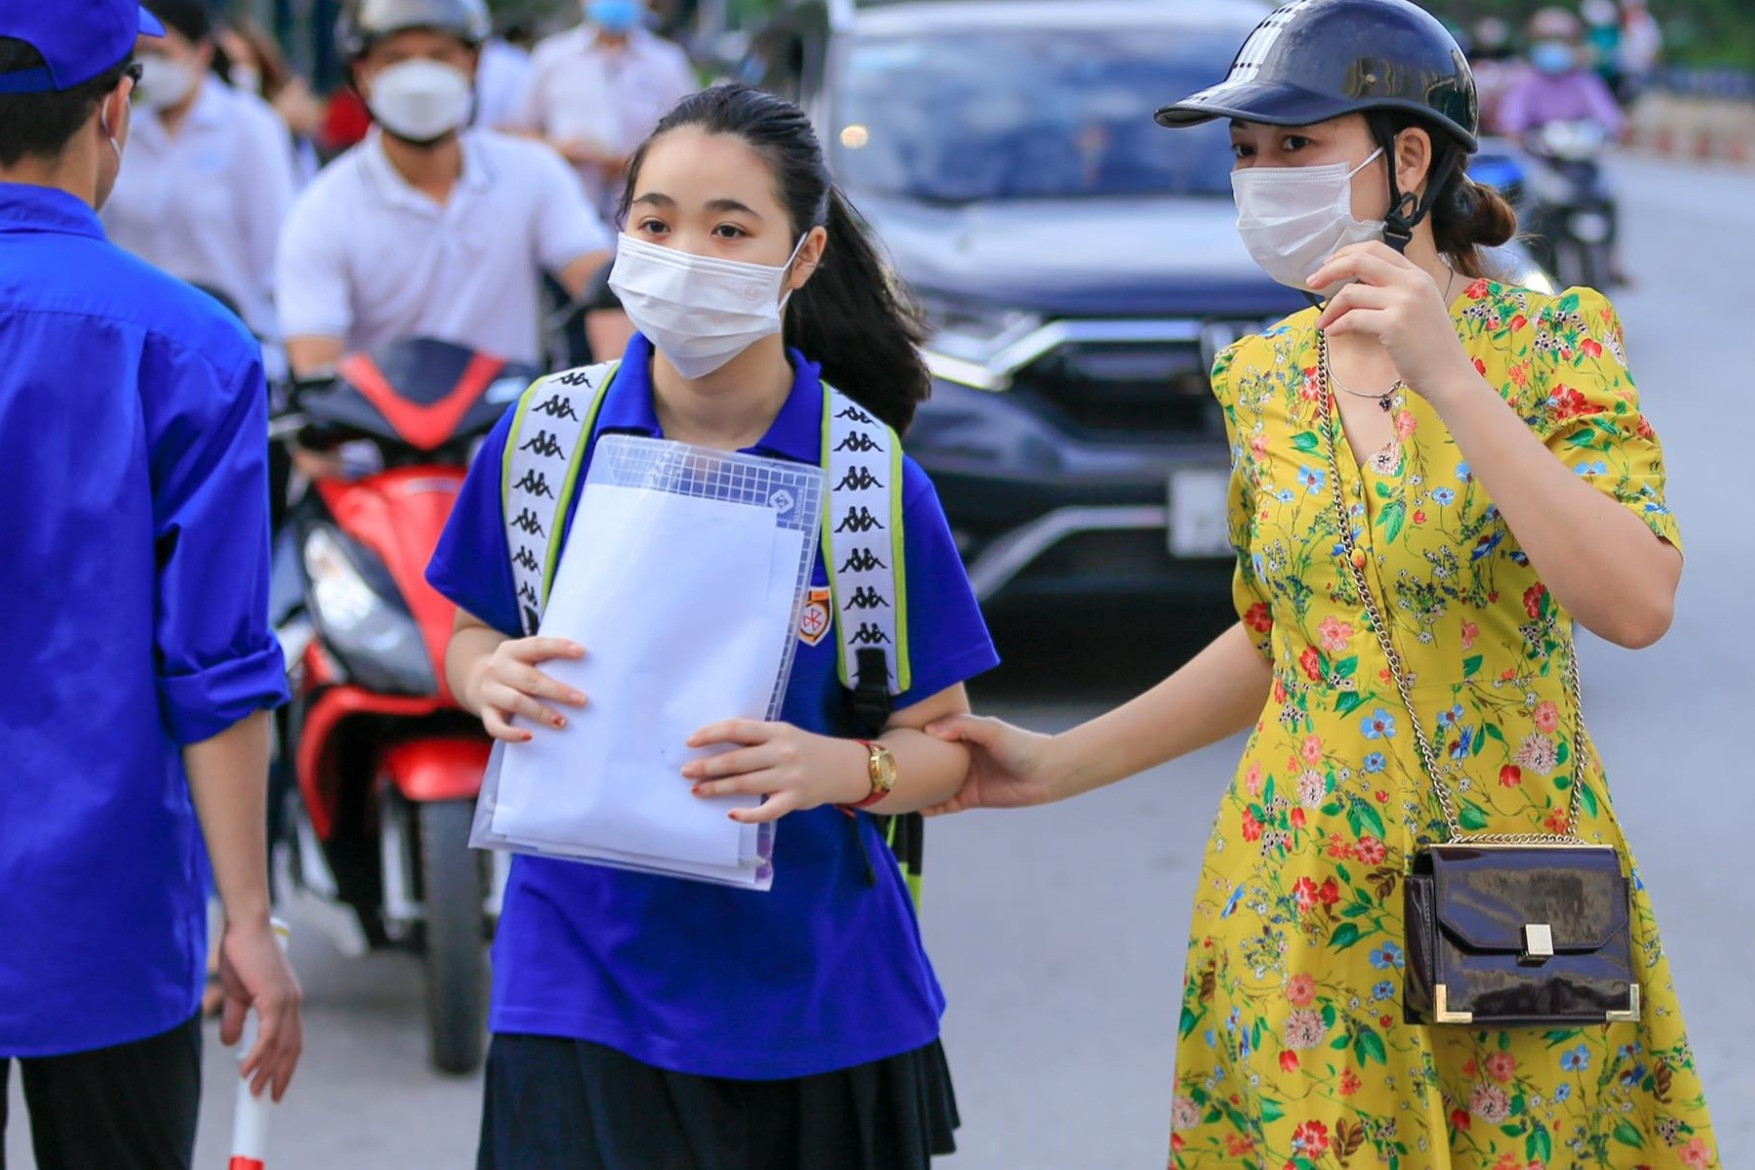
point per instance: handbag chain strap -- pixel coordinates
(1380, 626)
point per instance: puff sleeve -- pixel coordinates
(1586, 407)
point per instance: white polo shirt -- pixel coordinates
(501, 79)
(207, 205)
(369, 259)
(613, 95)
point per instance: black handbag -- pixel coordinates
(1501, 930)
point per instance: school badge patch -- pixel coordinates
(818, 617)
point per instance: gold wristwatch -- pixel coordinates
(882, 768)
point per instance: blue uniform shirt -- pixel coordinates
(133, 620)
(823, 972)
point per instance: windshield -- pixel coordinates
(1028, 114)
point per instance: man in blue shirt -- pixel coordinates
(133, 624)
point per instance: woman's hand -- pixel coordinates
(507, 684)
(1008, 766)
(1394, 300)
(796, 770)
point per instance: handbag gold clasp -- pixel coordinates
(1538, 945)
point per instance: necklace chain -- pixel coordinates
(1386, 400)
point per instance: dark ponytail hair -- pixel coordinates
(853, 317)
(1466, 216)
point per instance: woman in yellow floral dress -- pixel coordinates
(1502, 484)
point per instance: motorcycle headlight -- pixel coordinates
(378, 642)
(968, 339)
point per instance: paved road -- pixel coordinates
(1058, 932)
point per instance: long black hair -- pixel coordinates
(853, 317)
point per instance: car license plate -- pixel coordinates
(1198, 526)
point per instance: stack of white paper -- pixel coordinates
(686, 605)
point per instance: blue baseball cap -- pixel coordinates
(79, 39)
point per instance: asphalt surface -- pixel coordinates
(1059, 933)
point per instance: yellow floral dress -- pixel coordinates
(1292, 1050)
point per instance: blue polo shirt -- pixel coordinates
(823, 972)
(133, 620)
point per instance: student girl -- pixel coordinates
(643, 1022)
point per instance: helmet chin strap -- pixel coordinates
(1406, 209)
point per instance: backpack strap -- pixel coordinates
(863, 548)
(551, 432)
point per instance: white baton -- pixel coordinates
(250, 1120)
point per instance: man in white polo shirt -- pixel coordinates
(596, 91)
(427, 228)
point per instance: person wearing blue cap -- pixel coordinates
(133, 622)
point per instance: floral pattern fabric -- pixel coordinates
(1292, 1049)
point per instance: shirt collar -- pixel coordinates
(24, 207)
(796, 432)
(399, 192)
(210, 104)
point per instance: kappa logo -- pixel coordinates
(856, 415)
(870, 634)
(536, 483)
(858, 443)
(528, 521)
(526, 559)
(543, 444)
(863, 561)
(866, 597)
(527, 595)
(558, 406)
(816, 621)
(858, 479)
(573, 378)
(859, 519)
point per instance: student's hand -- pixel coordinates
(254, 973)
(1008, 766)
(796, 770)
(506, 684)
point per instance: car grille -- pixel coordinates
(1125, 390)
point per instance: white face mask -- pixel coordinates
(698, 310)
(421, 100)
(247, 79)
(1292, 219)
(164, 82)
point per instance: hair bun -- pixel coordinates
(1488, 217)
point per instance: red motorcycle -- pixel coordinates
(387, 766)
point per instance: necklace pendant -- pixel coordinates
(1387, 401)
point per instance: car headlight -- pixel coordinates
(968, 338)
(379, 643)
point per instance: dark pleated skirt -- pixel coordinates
(555, 1104)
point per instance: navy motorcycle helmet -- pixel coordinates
(1314, 60)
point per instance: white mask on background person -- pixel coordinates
(165, 81)
(699, 311)
(421, 100)
(247, 78)
(1292, 219)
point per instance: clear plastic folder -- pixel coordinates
(684, 577)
